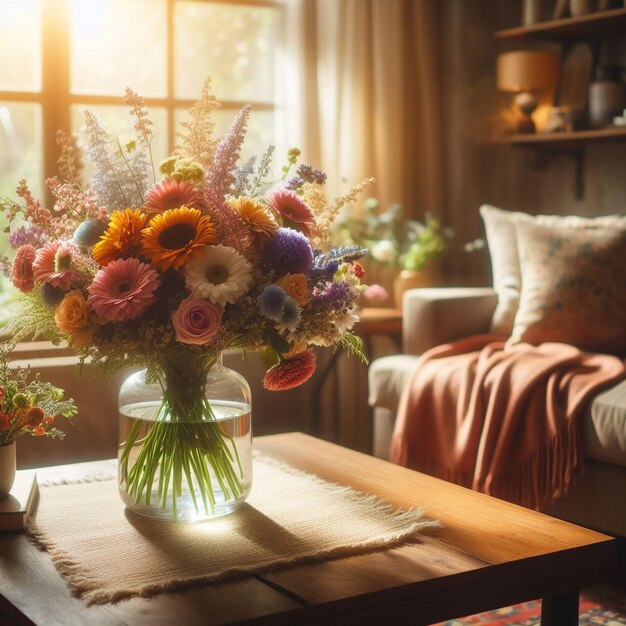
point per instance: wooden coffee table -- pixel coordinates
(488, 554)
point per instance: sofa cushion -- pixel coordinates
(388, 377)
(502, 243)
(573, 286)
(604, 424)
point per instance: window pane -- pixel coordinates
(20, 45)
(20, 147)
(231, 44)
(117, 44)
(20, 157)
(117, 121)
(260, 130)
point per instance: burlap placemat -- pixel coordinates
(108, 553)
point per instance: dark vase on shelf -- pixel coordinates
(607, 96)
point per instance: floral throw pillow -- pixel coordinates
(573, 286)
(502, 243)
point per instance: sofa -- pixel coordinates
(438, 315)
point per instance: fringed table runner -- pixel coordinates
(108, 554)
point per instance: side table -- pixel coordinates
(373, 322)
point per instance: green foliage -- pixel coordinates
(352, 345)
(391, 239)
(29, 405)
(34, 318)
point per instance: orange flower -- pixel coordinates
(72, 317)
(295, 285)
(176, 236)
(39, 431)
(259, 220)
(35, 416)
(122, 237)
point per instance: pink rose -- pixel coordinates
(196, 321)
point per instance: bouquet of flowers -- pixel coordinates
(167, 267)
(28, 406)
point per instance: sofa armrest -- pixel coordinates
(434, 316)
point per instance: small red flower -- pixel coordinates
(358, 269)
(5, 422)
(39, 431)
(35, 416)
(290, 372)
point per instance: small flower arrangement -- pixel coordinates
(392, 240)
(29, 406)
(166, 267)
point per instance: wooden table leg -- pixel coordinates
(560, 610)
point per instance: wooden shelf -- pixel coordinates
(568, 139)
(600, 23)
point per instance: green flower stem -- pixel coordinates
(183, 442)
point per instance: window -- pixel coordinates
(59, 57)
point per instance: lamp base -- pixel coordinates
(526, 126)
(526, 104)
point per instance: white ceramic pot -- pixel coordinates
(7, 469)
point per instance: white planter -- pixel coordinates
(7, 469)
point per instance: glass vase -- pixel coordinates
(185, 449)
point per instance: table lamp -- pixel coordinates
(526, 72)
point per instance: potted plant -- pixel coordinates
(410, 247)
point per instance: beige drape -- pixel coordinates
(362, 97)
(363, 100)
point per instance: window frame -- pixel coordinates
(55, 97)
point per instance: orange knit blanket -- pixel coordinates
(501, 419)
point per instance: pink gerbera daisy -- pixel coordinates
(123, 289)
(293, 209)
(172, 194)
(22, 268)
(290, 372)
(53, 264)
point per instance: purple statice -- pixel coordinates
(294, 183)
(288, 251)
(30, 233)
(326, 264)
(306, 174)
(335, 296)
(220, 177)
(243, 174)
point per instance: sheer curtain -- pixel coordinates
(362, 95)
(362, 100)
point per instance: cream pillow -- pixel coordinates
(573, 286)
(505, 264)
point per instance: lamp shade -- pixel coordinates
(527, 70)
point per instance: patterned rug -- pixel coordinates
(600, 606)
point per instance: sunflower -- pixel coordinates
(122, 237)
(259, 220)
(176, 236)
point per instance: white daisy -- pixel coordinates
(220, 275)
(346, 321)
